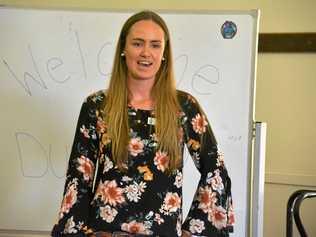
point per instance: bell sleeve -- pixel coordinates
(74, 210)
(211, 212)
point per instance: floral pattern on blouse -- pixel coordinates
(145, 199)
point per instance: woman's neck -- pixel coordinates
(140, 94)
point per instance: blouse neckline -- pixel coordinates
(140, 109)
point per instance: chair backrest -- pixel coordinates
(293, 210)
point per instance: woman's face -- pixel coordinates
(144, 50)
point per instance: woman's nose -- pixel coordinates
(145, 51)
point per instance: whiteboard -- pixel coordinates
(52, 59)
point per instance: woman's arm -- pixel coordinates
(211, 212)
(77, 195)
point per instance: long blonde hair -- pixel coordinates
(164, 92)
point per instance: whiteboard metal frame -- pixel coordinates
(256, 15)
(258, 179)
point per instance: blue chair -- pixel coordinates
(293, 210)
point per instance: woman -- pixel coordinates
(128, 145)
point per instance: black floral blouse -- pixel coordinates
(145, 199)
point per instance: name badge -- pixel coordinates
(151, 121)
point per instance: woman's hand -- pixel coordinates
(186, 233)
(100, 234)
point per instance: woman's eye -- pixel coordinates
(157, 46)
(136, 44)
